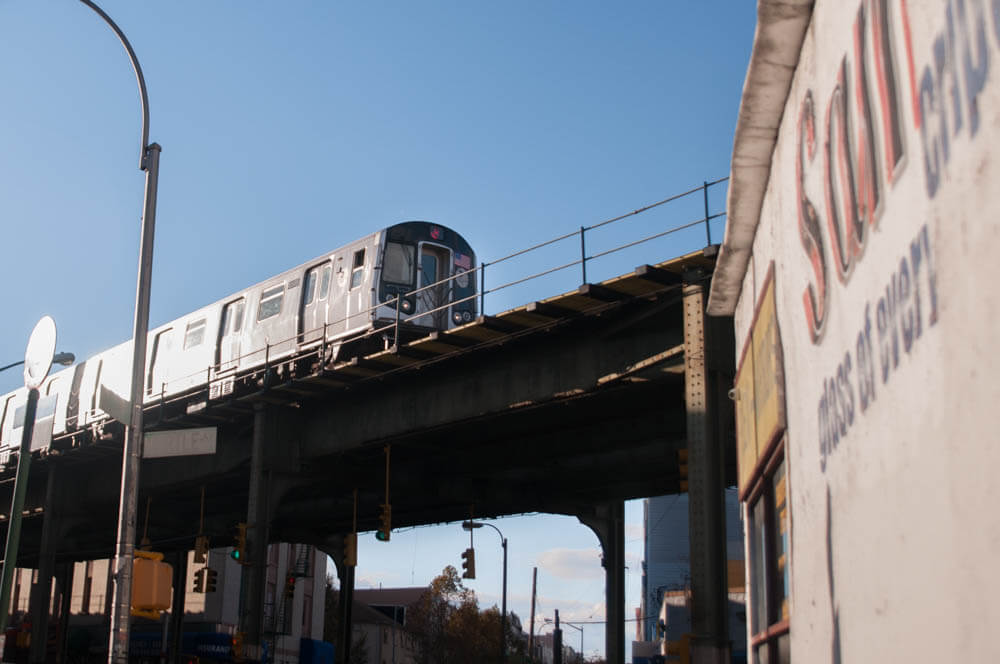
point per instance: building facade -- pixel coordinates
(859, 266)
(293, 608)
(667, 563)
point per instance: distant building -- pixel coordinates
(383, 639)
(665, 610)
(545, 653)
(292, 611)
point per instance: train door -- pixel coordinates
(73, 402)
(434, 263)
(158, 373)
(357, 302)
(227, 350)
(313, 305)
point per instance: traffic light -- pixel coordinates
(385, 524)
(351, 549)
(199, 580)
(290, 587)
(211, 577)
(238, 646)
(682, 469)
(201, 549)
(240, 544)
(469, 563)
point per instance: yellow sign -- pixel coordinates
(760, 387)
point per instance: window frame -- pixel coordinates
(194, 329)
(266, 296)
(777, 624)
(357, 268)
(310, 286)
(324, 282)
(412, 258)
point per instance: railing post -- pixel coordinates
(583, 254)
(395, 337)
(708, 228)
(322, 357)
(482, 288)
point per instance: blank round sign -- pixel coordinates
(38, 355)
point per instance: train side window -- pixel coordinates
(194, 334)
(238, 315)
(324, 282)
(397, 265)
(232, 317)
(309, 288)
(357, 271)
(270, 302)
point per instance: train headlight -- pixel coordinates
(388, 298)
(406, 305)
(466, 316)
(457, 317)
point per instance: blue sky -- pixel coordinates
(289, 130)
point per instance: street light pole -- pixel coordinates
(149, 161)
(469, 525)
(580, 629)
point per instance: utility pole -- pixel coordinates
(531, 627)
(557, 642)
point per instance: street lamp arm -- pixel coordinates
(64, 359)
(144, 99)
(11, 365)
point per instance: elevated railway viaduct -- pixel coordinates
(570, 405)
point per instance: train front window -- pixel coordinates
(397, 267)
(429, 267)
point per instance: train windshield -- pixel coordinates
(398, 264)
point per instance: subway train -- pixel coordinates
(346, 301)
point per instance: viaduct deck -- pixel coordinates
(565, 405)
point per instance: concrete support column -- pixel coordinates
(706, 505)
(345, 604)
(41, 592)
(334, 547)
(176, 630)
(64, 589)
(255, 570)
(608, 523)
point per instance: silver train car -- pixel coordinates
(343, 302)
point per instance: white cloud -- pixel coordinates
(572, 563)
(378, 578)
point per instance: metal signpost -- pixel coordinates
(37, 362)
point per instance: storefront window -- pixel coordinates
(769, 564)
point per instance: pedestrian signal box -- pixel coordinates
(152, 584)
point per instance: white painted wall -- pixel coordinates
(904, 499)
